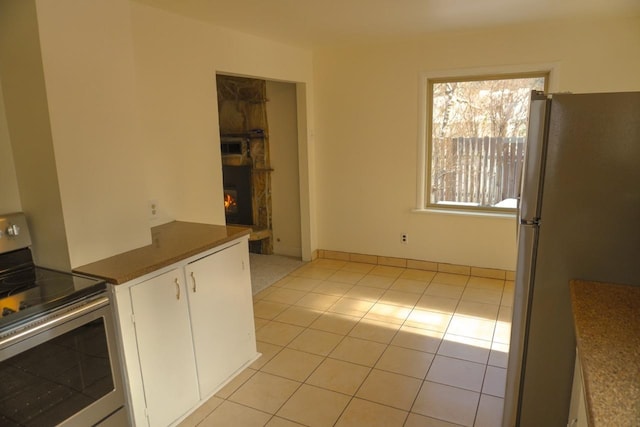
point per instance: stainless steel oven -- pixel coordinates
(59, 361)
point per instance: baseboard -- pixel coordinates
(492, 273)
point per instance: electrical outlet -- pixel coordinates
(153, 208)
(404, 238)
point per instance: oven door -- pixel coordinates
(62, 369)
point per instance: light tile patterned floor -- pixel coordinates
(351, 344)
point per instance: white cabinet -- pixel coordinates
(221, 315)
(163, 335)
(578, 407)
(186, 330)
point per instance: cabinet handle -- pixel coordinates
(193, 277)
(177, 288)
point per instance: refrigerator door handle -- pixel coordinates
(533, 168)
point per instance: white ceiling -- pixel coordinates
(311, 23)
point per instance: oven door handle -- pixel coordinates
(55, 319)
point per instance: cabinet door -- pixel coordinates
(221, 314)
(163, 335)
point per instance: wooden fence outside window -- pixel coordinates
(476, 171)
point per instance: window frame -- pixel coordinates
(423, 202)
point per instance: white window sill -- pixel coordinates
(510, 215)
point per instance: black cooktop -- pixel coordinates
(27, 290)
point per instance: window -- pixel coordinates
(476, 133)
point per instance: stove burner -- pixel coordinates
(17, 282)
(33, 291)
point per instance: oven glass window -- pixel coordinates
(56, 379)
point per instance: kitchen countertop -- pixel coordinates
(171, 242)
(607, 323)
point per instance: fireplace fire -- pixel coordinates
(230, 203)
(238, 207)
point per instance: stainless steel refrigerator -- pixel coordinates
(579, 218)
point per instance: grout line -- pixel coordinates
(387, 344)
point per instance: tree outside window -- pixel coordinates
(478, 129)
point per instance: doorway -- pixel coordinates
(259, 133)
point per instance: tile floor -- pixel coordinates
(350, 344)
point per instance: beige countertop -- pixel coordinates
(171, 243)
(607, 323)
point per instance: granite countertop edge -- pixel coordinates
(171, 243)
(608, 340)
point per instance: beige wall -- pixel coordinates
(131, 96)
(367, 131)
(9, 195)
(130, 92)
(283, 142)
(87, 57)
(176, 62)
(70, 106)
(27, 114)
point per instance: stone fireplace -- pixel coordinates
(244, 145)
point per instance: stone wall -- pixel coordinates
(243, 120)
